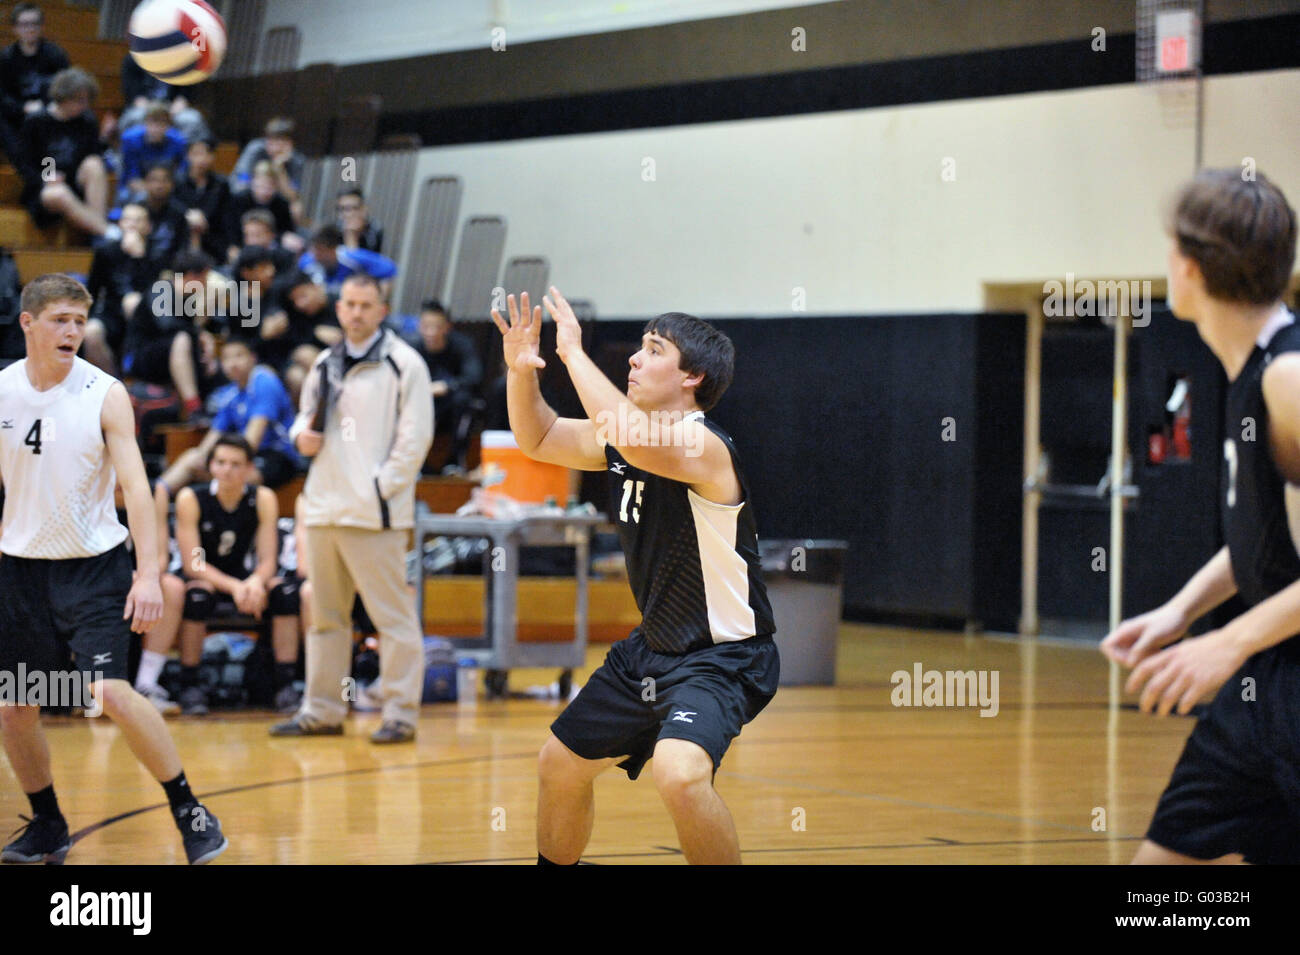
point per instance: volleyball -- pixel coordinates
(178, 41)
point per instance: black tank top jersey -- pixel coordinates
(227, 536)
(693, 565)
(1255, 527)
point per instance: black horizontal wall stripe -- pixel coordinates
(1267, 43)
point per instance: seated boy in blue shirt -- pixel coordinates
(256, 405)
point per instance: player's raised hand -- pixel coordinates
(1138, 637)
(568, 333)
(522, 336)
(143, 603)
(1187, 674)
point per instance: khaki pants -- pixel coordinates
(342, 562)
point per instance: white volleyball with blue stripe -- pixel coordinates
(178, 41)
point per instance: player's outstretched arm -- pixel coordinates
(542, 434)
(1138, 637)
(144, 601)
(661, 443)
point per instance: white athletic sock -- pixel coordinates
(151, 667)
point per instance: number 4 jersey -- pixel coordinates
(693, 564)
(58, 479)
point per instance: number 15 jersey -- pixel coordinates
(58, 479)
(693, 564)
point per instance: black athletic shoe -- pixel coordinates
(201, 833)
(299, 727)
(194, 701)
(44, 839)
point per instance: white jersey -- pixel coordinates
(58, 479)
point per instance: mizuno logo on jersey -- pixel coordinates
(7, 423)
(618, 468)
(102, 658)
(684, 716)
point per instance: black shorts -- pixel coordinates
(1236, 787)
(705, 696)
(50, 609)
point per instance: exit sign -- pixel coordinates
(1176, 41)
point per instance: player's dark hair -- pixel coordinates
(330, 236)
(231, 440)
(162, 164)
(209, 141)
(433, 305)
(52, 287)
(1240, 232)
(351, 191)
(71, 82)
(22, 8)
(704, 350)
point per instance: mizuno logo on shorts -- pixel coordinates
(684, 716)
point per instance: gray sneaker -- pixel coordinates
(159, 697)
(394, 731)
(298, 726)
(194, 701)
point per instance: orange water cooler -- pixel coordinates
(524, 478)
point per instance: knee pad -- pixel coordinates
(284, 600)
(199, 604)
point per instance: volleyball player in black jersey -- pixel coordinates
(702, 663)
(1235, 792)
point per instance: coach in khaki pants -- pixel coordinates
(366, 419)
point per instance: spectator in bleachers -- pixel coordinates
(206, 197)
(275, 148)
(455, 373)
(121, 273)
(231, 523)
(139, 89)
(359, 230)
(27, 67)
(313, 326)
(162, 344)
(171, 230)
(256, 405)
(145, 144)
(329, 262)
(62, 167)
(258, 228)
(261, 194)
(255, 272)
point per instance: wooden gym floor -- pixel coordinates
(824, 775)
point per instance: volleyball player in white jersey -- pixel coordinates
(67, 436)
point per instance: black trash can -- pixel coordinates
(805, 583)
